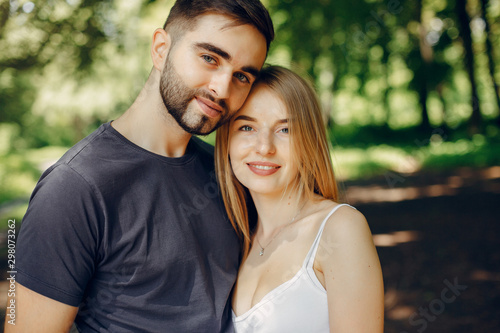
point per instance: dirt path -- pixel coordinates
(439, 249)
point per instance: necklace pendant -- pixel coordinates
(261, 253)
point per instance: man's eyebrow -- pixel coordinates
(223, 54)
(251, 70)
(214, 49)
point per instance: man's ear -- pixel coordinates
(160, 47)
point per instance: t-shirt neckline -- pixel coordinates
(189, 154)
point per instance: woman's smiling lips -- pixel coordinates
(263, 168)
(211, 109)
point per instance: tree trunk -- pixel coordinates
(475, 121)
(427, 56)
(4, 14)
(489, 52)
(425, 125)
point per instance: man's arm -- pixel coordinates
(37, 313)
(55, 253)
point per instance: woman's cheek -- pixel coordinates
(247, 143)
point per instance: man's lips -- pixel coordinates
(211, 109)
(263, 168)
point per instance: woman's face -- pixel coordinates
(259, 144)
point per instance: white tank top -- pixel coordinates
(298, 305)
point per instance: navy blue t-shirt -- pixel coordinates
(139, 242)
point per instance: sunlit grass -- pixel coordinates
(357, 163)
(362, 163)
(472, 153)
(20, 170)
(42, 158)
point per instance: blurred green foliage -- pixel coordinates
(391, 75)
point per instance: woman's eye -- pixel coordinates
(284, 130)
(242, 77)
(208, 59)
(246, 128)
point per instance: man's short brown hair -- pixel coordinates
(184, 14)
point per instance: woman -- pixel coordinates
(309, 263)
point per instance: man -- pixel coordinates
(127, 233)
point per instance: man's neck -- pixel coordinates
(148, 124)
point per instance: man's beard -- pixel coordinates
(176, 98)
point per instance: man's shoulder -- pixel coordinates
(202, 147)
(90, 157)
(81, 149)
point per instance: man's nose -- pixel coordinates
(220, 85)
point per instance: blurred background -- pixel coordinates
(409, 91)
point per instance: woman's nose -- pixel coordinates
(265, 143)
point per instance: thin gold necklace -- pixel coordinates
(262, 248)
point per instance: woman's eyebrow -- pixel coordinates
(247, 118)
(243, 117)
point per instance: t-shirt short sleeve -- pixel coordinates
(58, 240)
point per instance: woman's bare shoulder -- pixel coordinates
(346, 233)
(344, 217)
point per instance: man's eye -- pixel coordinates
(242, 77)
(208, 59)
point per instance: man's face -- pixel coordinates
(209, 71)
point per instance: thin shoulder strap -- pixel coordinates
(314, 248)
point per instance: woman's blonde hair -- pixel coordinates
(309, 149)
